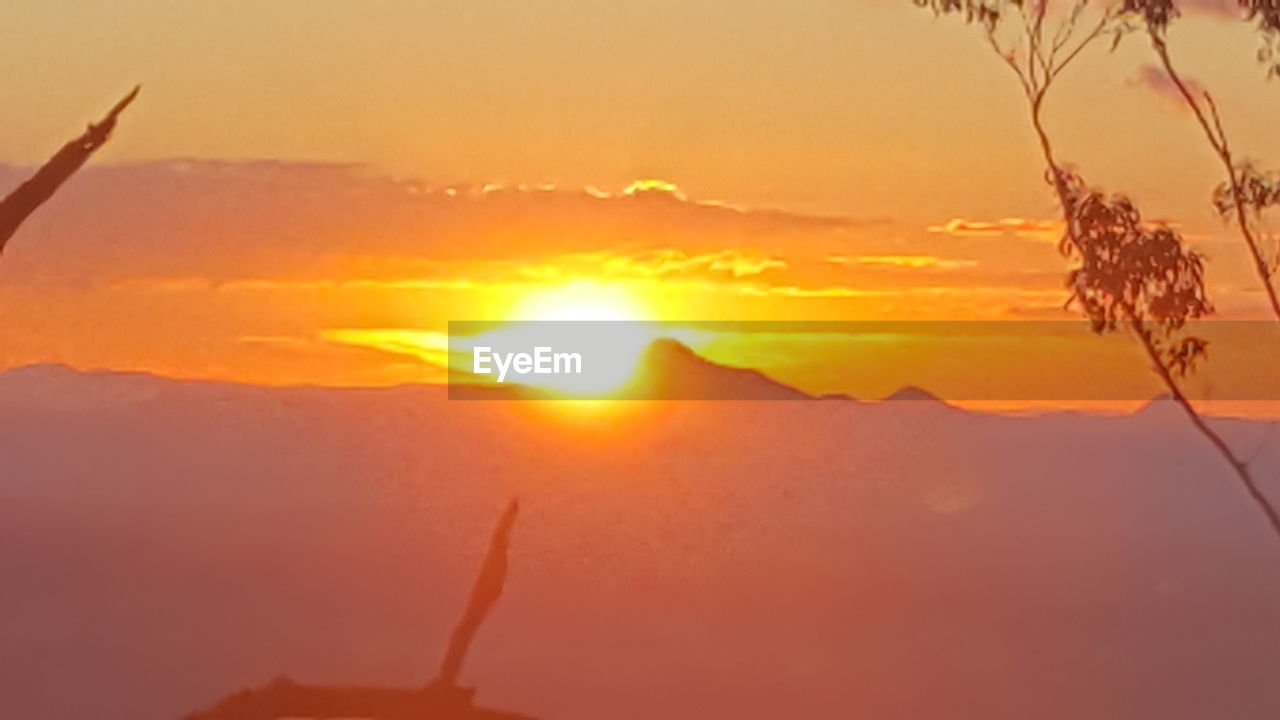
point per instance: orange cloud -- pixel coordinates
(643, 186)
(913, 262)
(656, 263)
(1220, 9)
(263, 269)
(1038, 229)
(279, 220)
(1157, 82)
(432, 348)
(792, 291)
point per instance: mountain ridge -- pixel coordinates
(669, 371)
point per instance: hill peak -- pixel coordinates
(670, 370)
(912, 392)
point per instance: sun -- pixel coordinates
(582, 300)
(621, 330)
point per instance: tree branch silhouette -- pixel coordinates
(1265, 14)
(1129, 276)
(30, 195)
(1143, 278)
(484, 594)
(1231, 198)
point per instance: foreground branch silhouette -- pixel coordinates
(1265, 14)
(440, 699)
(1246, 192)
(1130, 275)
(488, 587)
(28, 196)
(1143, 278)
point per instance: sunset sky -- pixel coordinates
(304, 188)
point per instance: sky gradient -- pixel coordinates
(393, 165)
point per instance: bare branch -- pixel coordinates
(30, 195)
(484, 594)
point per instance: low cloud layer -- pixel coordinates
(190, 225)
(243, 270)
(1159, 86)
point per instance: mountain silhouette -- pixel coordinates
(670, 370)
(914, 393)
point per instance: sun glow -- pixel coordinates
(619, 320)
(583, 300)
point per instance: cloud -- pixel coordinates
(431, 348)
(912, 262)
(792, 291)
(646, 186)
(406, 283)
(1220, 9)
(658, 263)
(254, 284)
(1157, 82)
(1036, 229)
(227, 220)
(602, 265)
(649, 264)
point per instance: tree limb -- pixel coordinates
(28, 196)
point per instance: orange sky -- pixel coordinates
(395, 165)
(857, 107)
